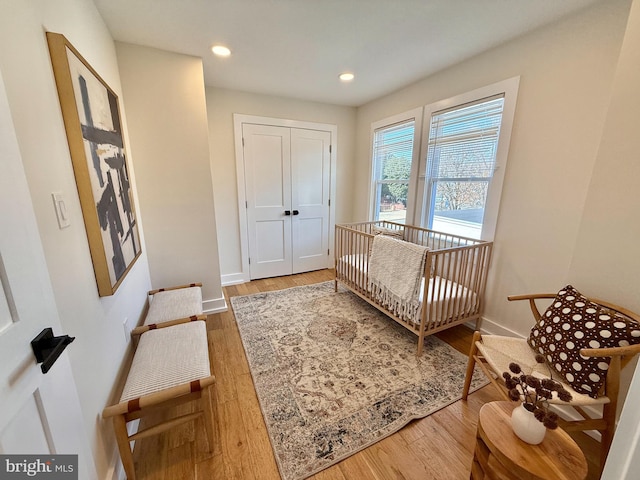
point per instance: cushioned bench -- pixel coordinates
(170, 367)
(171, 306)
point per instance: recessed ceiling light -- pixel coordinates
(220, 50)
(346, 77)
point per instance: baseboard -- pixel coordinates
(116, 470)
(216, 305)
(569, 414)
(112, 470)
(233, 279)
(492, 328)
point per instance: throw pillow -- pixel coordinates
(572, 322)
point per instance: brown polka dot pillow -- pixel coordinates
(572, 323)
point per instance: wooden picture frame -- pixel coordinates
(92, 121)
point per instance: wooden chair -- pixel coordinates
(493, 353)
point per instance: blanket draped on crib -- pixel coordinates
(396, 269)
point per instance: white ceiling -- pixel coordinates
(297, 48)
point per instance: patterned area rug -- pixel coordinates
(334, 375)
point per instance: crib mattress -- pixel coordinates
(441, 293)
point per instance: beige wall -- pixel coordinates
(167, 119)
(566, 73)
(606, 259)
(221, 105)
(605, 262)
(97, 354)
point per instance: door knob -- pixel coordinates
(288, 212)
(296, 212)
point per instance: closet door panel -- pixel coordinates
(310, 242)
(310, 172)
(267, 160)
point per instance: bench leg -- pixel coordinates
(122, 437)
(207, 418)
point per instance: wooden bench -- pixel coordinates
(171, 306)
(170, 367)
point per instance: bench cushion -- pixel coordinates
(174, 304)
(168, 357)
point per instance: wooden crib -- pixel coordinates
(456, 268)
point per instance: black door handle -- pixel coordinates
(48, 348)
(287, 212)
(296, 212)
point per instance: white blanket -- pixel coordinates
(396, 268)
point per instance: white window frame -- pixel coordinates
(508, 88)
(416, 115)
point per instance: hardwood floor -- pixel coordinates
(439, 446)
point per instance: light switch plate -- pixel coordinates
(61, 210)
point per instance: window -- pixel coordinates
(461, 158)
(393, 155)
(453, 181)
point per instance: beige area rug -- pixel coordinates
(334, 375)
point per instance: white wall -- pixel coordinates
(167, 118)
(100, 346)
(605, 262)
(566, 72)
(610, 227)
(221, 105)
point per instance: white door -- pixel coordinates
(310, 167)
(40, 414)
(267, 157)
(287, 172)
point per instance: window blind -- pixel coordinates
(392, 143)
(463, 141)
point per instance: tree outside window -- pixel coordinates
(392, 156)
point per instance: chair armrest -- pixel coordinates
(532, 301)
(153, 292)
(145, 328)
(532, 296)
(609, 305)
(611, 352)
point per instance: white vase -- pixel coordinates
(526, 426)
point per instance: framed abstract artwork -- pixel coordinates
(94, 133)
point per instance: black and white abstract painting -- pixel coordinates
(100, 168)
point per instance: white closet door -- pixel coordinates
(310, 170)
(267, 164)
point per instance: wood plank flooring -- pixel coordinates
(438, 447)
